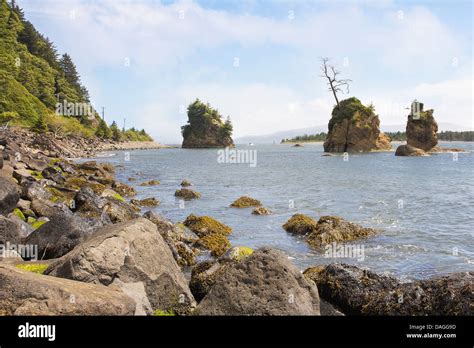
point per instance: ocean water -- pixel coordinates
(423, 206)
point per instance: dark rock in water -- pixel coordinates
(421, 130)
(358, 291)
(265, 283)
(26, 293)
(297, 145)
(129, 253)
(54, 175)
(8, 196)
(206, 128)
(330, 229)
(187, 194)
(408, 150)
(300, 224)
(60, 235)
(354, 127)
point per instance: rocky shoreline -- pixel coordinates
(78, 244)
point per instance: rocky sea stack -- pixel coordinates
(205, 128)
(421, 130)
(354, 127)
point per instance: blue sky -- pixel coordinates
(258, 61)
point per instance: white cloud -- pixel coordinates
(156, 39)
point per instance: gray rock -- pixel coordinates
(265, 283)
(133, 252)
(26, 293)
(9, 231)
(43, 207)
(37, 165)
(8, 196)
(35, 190)
(60, 235)
(66, 167)
(24, 228)
(53, 174)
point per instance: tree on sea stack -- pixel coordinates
(335, 84)
(205, 128)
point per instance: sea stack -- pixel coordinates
(421, 132)
(421, 127)
(205, 128)
(354, 127)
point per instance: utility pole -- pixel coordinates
(123, 129)
(103, 113)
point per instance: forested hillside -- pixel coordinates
(42, 89)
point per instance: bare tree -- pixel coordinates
(334, 83)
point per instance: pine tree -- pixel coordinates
(116, 135)
(69, 68)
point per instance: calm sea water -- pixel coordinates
(422, 205)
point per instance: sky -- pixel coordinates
(259, 61)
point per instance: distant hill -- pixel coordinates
(278, 136)
(288, 134)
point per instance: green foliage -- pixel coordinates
(161, 313)
(103, 131)
(33, 267)
(351, 109)
(40, 125)
(306, 138)
(116, 134)
(133, 134)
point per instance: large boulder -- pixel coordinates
(8, 196)
(60, 235)
(359, 291)
(354, 127)
(35, 190)
(408, 150)
(264, 283)
(10, 231)
(44, 207)
(27, 293)
(421, 130)
(129, 252)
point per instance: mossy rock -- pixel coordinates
(237, 253)
(261, 211)
(246, 202)
(33, 267)
(334, 229)
(186, 183)
(150, 183)
(147, 202)
(75, 182)
(164, 313)
(300, 224)
(187, 194)
(217, 243)
(188, 257)
(206, 225)
(19, 213)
